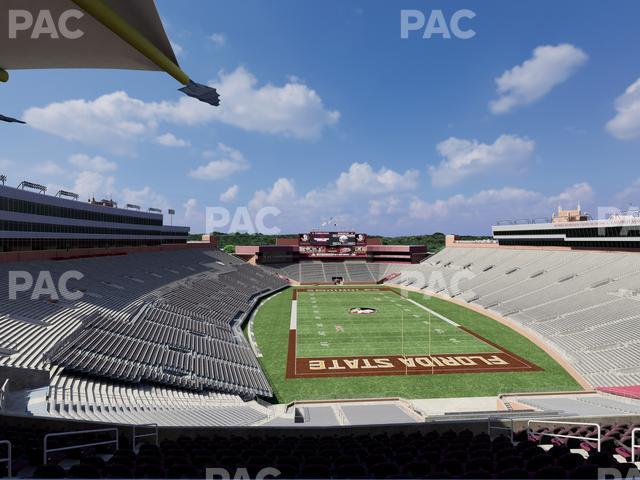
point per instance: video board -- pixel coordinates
(332, 239)
(332, 244)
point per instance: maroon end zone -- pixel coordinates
(503, 361)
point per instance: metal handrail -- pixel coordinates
(3, 393)
(8, 459)
(557, 435)
(73, 447)
(136, 436)
(490, 427)
(633, 444)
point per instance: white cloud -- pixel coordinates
(145, 197)
(626, 124)
(95, 164)
(117, 121)
(48, 168)
(491, 205)
(630, 194)
(463, 158)
(170, 140)
(190, 207)
(282, 193)
(548, 67)
(349, 199)
(230, 194)
(228, 161)
(573, 195)
(362, 179)
(385, 206)
(292, 110)
(218, 39)
(89, 184)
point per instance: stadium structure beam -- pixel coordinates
(110, 19)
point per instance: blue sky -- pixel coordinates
(327, 112)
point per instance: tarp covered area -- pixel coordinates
(59, 34)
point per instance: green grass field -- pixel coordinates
(398, 327)
(364, 336)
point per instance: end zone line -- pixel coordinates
(435, 314)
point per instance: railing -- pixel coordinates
(633, 444)
(136, 436)
(491, 427)
(558, 435)
(47, 450)
(8, 459)
(3, 393)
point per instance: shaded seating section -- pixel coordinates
(333, 454)
(152, 345)
(585, 303)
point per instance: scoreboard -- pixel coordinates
(339, 244)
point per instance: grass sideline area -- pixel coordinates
(271, 329)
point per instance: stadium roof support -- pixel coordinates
(10, 119)
(114, 34)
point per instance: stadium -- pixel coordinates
(133, 347)
(156, 341)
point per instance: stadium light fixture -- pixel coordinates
(171, 213)
(131, 206)
(36, 186)
(64, 193)
(3, 179)
(155, 210)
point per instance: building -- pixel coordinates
(573, 229)
(332, 247)
(37, 221)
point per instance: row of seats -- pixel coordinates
(141, 348)
(326, 272)
(421, 454)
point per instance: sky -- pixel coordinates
(328, 113)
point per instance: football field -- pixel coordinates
(377, 331)
(396, 326)
(321, 342)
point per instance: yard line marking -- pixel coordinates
(435, 314)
